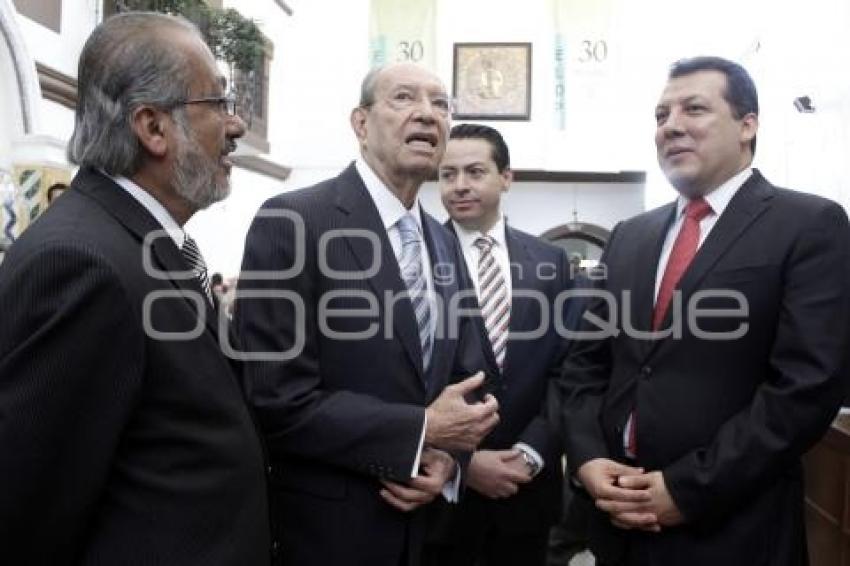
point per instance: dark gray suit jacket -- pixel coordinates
(119, 447)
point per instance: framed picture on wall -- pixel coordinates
(492, 81)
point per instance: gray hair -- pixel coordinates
(125, 64)
(367, 87)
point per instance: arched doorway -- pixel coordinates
(19, 98)
(580, 240)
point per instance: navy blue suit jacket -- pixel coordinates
(535, 349)
(348, 410)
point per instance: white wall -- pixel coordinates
(321, 54)
(61, 51)
(537, 207)
(790, 48)
(11, 124)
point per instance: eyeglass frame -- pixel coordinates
(396, 105)
(228, 102)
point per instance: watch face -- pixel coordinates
(529, 461)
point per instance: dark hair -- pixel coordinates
(498, 148)
(740, 89)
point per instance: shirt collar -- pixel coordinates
(154, 207)
(720, 197)
(390, 208)
(467, 237)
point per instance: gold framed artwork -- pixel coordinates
(492, 81)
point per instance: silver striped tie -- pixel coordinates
(193, 257)
(493, 298)
(410, 264)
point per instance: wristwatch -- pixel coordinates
(533, 466)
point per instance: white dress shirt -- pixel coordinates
(718, 199)
(155, 208)
(391, 209)
(472, 256)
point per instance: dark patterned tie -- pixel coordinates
(410, 264)
(493, 298)
(193, 257)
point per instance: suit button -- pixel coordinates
(646, 371)
(269, 470)
(275, 549)
(618, 430)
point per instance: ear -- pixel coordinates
(358, 123)
(749, 127)
(149, 125)
(507, 179)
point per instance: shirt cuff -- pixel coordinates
(451, 489)
(415, 471)
(532, 453)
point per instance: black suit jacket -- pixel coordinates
(539, 274)
(120, 447)
(345, 410)
(726, 421)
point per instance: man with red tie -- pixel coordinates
(724, 356)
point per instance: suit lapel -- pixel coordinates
(523, 271)
(743, 210)
(646, 264)
(745, 207)
(358, 212)
(159, 252)
(444, 287)
(478, 321)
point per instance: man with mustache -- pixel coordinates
(687, 426)
(126, 436)
(347, 300)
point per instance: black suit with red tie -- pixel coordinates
(724, 420)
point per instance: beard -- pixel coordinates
(196, 176)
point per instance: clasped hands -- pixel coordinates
(453, 423)
(633, 498)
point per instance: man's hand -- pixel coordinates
(435, 469)
(606, 481)
(455, 424)
(660, 504)
(497, 473)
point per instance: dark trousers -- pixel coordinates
(491, 549)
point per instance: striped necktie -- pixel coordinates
(493, 298)
(193, 257)
(410, 264)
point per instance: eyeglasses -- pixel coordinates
(227, 103)
(404, 99)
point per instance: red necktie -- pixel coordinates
(683, 252)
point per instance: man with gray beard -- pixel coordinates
(126, 438)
